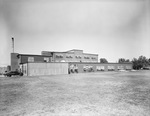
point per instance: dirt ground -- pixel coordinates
(90, 94)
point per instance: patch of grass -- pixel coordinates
(107, 94)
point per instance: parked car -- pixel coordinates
(9, 74)
(146, 68)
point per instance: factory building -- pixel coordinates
(53, 63)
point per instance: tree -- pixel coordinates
(103, 60)
(139, 63)
(143, 61)
(127, 60)
(149, 61)
(123, 60)
(135, 63)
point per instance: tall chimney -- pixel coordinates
(12, 45)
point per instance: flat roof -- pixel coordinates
(99, 63)
(33, 55)
(53, 52)
(80, 62)
(74, 50)
(70, 52)
(90, 54)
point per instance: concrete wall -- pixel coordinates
(36, 69)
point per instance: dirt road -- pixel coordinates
(92, 94)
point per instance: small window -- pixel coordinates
(59, 56)
(120, 67)
(46, 59)
(69, 57)
(79, 57)
(30, 59)
(100, 68)
(128, 67)
(111, 68)
(86, 57)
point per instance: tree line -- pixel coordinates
(138, 63)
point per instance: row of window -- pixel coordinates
(46, 59)
(102, 68)
(113, 67)
(93, 58)
(69, 57)
(78, 57)
(31, 59)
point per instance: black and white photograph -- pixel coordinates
(74, 57)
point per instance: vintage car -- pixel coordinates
(11, 73)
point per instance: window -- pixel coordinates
(111, 68)
(79, 57)
(59, 56)
(93, 58)
(69, 57)
(46, 59)
(120, 67)
(30, 59)
(128, 67)
(100, 68)
(86, 57)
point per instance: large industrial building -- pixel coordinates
(52, 63)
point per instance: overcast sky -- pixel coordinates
(111, 28)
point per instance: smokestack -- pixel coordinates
(12, 45)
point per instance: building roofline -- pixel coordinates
(99, 63)
(54, 52)
(71, 52)
(33, 55)
(117, 63)
(74, 50)
(90, 54)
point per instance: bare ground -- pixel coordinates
(92, 94)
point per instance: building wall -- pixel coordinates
(17, 59)
(76, 57)
(98, 67)
(72, 56)
(25, 58)
(14, 62)
(37, 69)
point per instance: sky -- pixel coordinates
(112, 29)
